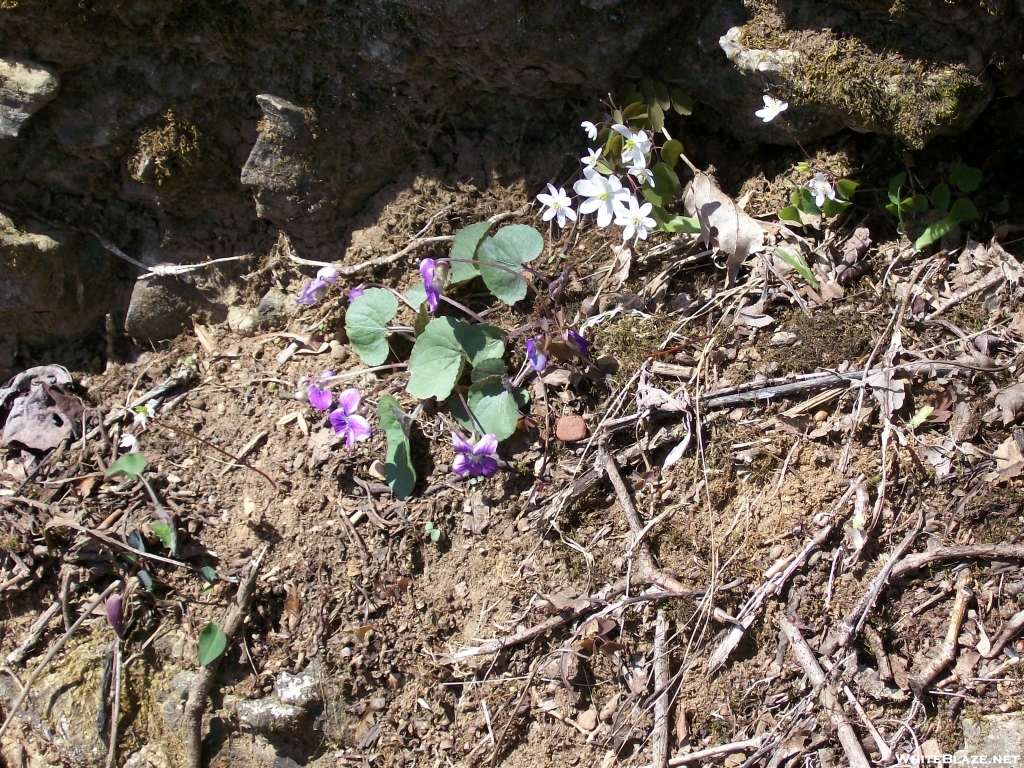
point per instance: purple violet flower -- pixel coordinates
(434, 276)
(315, 289)
(581, 344)
(354, 293)
(319, 396)
(474, 460)
(537, 359)
(115, 615)
(346, 421)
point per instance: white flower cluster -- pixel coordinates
(604, 195)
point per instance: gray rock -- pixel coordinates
(265, 715)
(992, 736)
(160, 308)
(52, 283)
(25, 88)
(301, 690)
(272, 309)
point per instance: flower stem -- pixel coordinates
(463, 307)
(353, 374)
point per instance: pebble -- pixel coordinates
(339, 352)
(377, 470)
(571, 428)
(587, 720)
(783, 339)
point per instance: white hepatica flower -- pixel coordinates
(144, 413)
(593, 155)
(558, 204)
(634, 218)
(601, 193)
(772, 108)
(590, 128)
(642, 174)
(821, 188)
(635, 147)
(128, 442)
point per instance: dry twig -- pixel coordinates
(829, 702)
(192, 720)
(978, 552)
(947, 650)
(662, 674)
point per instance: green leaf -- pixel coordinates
(437, 359)
(681, 103)
(129, 465)
(846, 188)
(493, 366)
(482, 342)
(508, 250)
(834, 207)
(167, 535)
(366, 323)
(940, 196)
(417, 294)
(963, 210)
(662, 96)
(669, 223)
(494, 409)
(890, 207)
(212, 642)
(895, 185)
(920, 417)
(634, 111)
(790, 213)
(464, 250)
(209, 575)
(803, 167)
(398, 467)
(935, 232)
(803, 199)
(657, 117)
(916, 204)
(666, 185)
(435, 535)
(613, 146)
(797, 262)
(965, 178)
(422, 318)
(671, 151)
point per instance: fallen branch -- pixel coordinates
(1011, 629)
(35, 633)
(947, 650)
(662, 674)
(994, 278)
(978, 552)
(829, 702)
(54, 650)
(710, 753)
(884, 750)
(192, 720)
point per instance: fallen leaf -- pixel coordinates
(1009, 460)
(888, 391)
(722, 224)
(621, 265)
(1010, 403)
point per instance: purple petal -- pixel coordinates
(328, 275)
(348, 401)
(358, 431)
(462, 466)
(427, 271)
(537, 359)
(460, 444)
(487, 446)
(433, 299)
(354, 294)
(581, 344)
(339, 420)
(320, 399)
(115, 615)
(487, 465)
(312, 292)
(327, 375)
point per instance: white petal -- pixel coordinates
(590, 205)
(604, 216)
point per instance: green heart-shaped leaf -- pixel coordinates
(398, 467)
(463, 252)
(437, 359)
(501, 258)
(212, 642)
(366, 323)
(494, 409)
(129, 465)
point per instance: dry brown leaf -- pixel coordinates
(738, 234)
(622, 264)
(1010, 403)
(1009, 460)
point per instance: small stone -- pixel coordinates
(821, 416)
(607, 363)
(783, 339)
(271, 309)
(25, 87)
(301, 690)
(523, 525)
(571, 428)
(461, 590)
(587, 720)
(339, 352)
(267, 714)
(610, 708)
(377, 470)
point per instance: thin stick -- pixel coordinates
(884, 750)
(54, 650)
(847, 736)
(115, 709)
(994, 278)
(712, 752)
(207, 443)
(192, 720)
(514, 715)
(35, 632)
(1009, 632)
(947, 650)
(662, 674)
(982, 551)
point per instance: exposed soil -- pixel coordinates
(350, 577)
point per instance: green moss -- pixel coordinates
(911, 98)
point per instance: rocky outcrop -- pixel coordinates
(191, 130)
